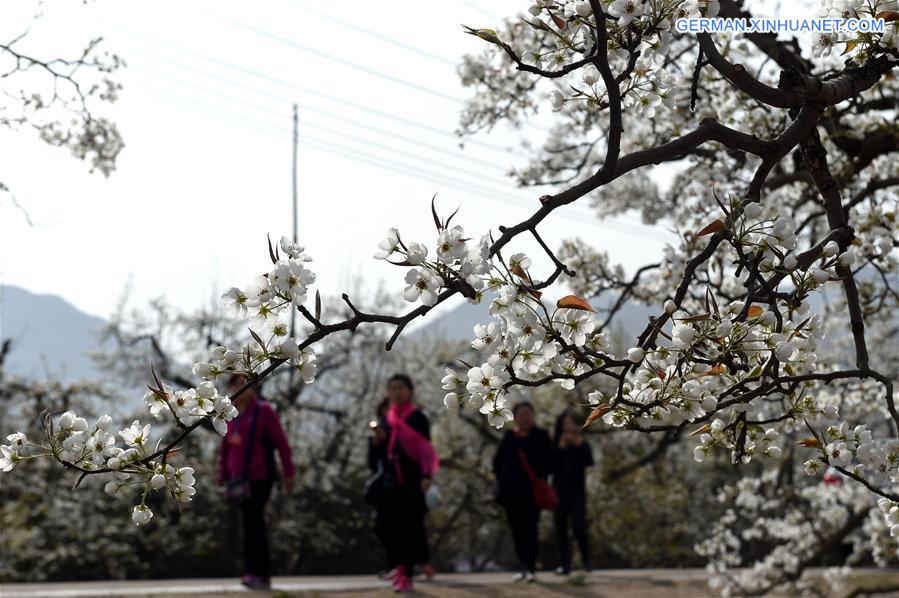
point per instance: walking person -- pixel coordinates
(379, 434)
(402, 454)
(248, 472)
(525, 447)
(571, 457)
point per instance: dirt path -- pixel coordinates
(636, 583)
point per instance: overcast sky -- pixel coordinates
(205, 175)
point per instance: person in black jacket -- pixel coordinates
(401, 451)
(571, 457)
(514, 490)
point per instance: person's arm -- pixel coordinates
(586, 454)
(544, 466)
(500, 455)
(277, 436)
(556, 455)
(373, 454)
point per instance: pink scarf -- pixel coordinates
(417, 447)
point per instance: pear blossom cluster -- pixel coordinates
(127, 458)
(132, 457)
(191, 405)
(555, 33)
(267, 304)
(265, 298)
(760, 512)
(858, 451)
(456, 260)
(860, 47)
(525, 342)
(693, 370)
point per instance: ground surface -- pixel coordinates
(640, 583)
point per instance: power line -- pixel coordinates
(355, 65)
(370, 143)
(307, 109)
(381, 37)
(440, 178)
(347, 63)
(474, 6)
(450, 182)
(452, 179)
(354, 154)
(314, 92)
(343, 150)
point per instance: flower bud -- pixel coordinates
(590, 74)
(635, 354)
(157, 481)
(141, 515)
(66, 420)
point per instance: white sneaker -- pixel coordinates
(522, 576)
(529, 577)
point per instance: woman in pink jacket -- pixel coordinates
(401, 451)
(248, 473)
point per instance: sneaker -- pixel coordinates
(562, 571)
(522, 576)
(254, 582)
(529, 577)
(389, 575)
(402, 583)
(428, 570)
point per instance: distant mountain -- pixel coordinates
(49, 336)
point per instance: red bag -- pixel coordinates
(545, 496)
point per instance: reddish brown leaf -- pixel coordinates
(755, 311)
(597, 413)
(533, 293)
(559, 21)
(888, 15)
(850, 46)
(810, 442)
(716, 369)
(574, 302)
(712, 227)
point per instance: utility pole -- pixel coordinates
(296, 141)
(293, 311)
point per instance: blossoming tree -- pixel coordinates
(59, 96)
(786, 201)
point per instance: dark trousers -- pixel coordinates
(572, 508)
(523, 518)
(400, 526)
(255, 543)
(424, 549)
